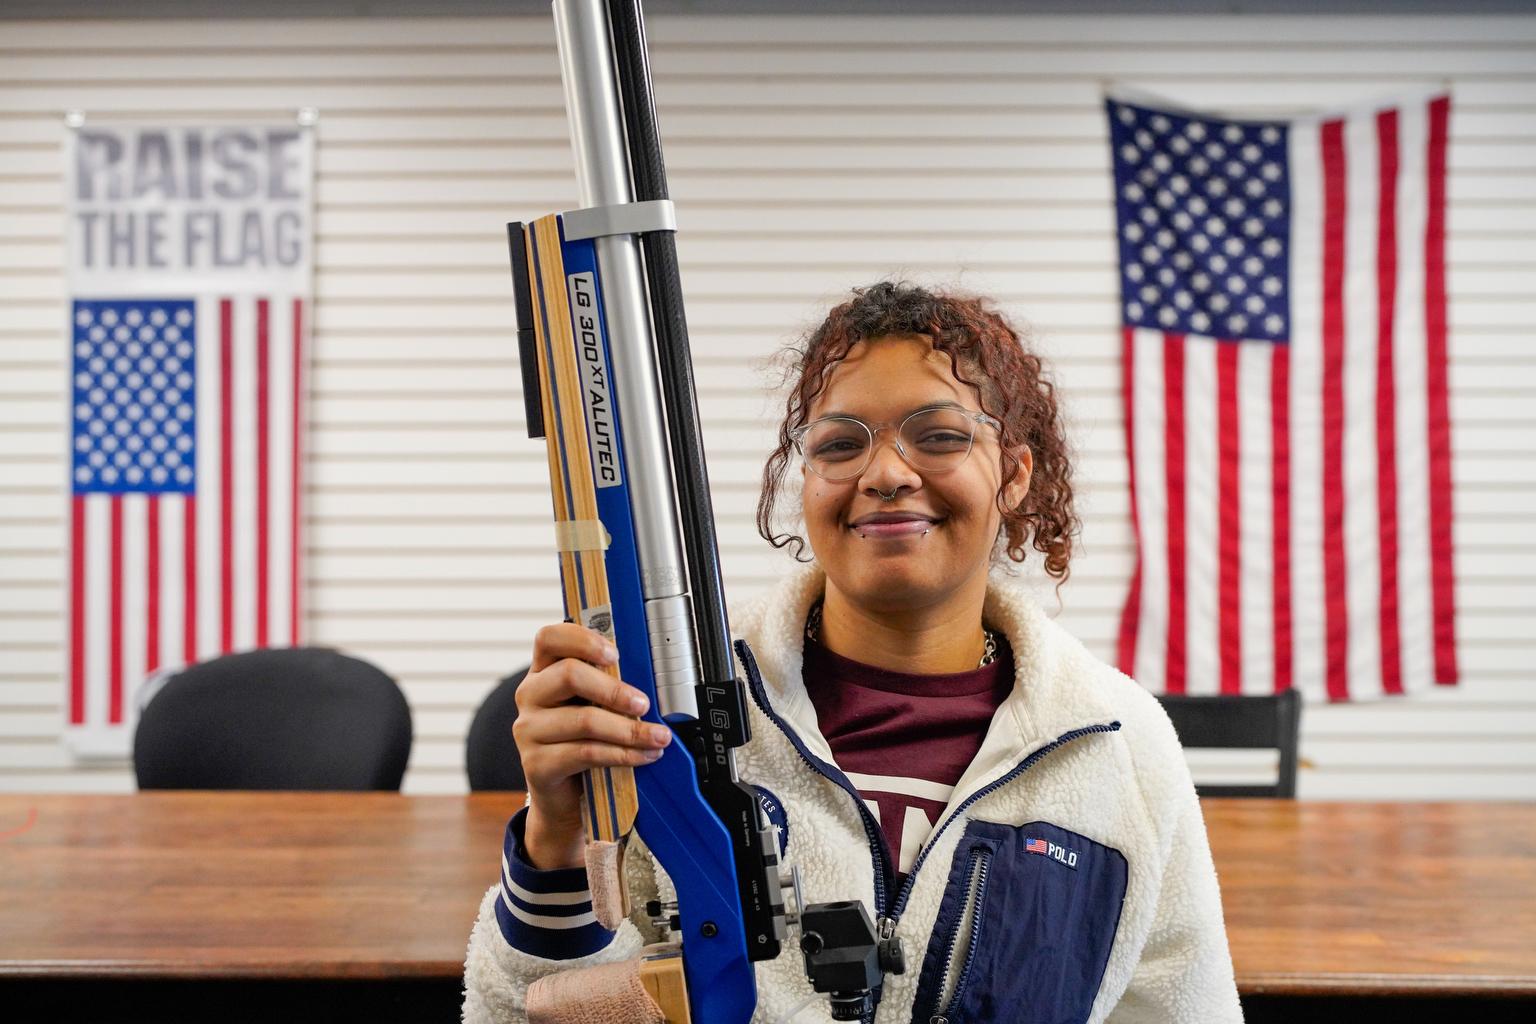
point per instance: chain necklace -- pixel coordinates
(813, 632)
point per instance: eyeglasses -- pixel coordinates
(932, 440)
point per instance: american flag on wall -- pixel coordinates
(190, 265)
(187, 447)
(1283, 311)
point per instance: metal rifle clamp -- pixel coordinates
(608, 384)
(846, 957)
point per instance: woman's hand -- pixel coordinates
(572, 716)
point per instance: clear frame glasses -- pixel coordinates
(936, 439)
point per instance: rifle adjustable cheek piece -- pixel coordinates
(608, 383)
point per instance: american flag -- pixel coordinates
(1034, 845)
(1283, 310)
(186, 447)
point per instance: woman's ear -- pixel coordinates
(1018, 486)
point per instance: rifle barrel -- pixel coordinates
(598, 140)
(649, 173)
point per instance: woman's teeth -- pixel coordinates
(909, 528)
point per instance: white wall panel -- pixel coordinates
(807, 154)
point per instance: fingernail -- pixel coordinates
(638, 702)
(652, 755)
(610, 653)
(660, 734)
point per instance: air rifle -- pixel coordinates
(608, 383)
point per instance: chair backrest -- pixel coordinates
(1272, 722)
(285, 718)
(490, 755)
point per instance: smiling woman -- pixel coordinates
(988, 368)
(1015, 813)
(907, 532)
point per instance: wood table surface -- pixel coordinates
(1321, 897)
(1329, 898)
(244, 885)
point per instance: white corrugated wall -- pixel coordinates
(807, 154)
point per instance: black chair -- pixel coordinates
(303, 718)
(1272, 722)
(490, 755)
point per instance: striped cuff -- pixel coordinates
(545, 913)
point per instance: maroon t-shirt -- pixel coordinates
(904, 739)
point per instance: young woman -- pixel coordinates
(924, 736)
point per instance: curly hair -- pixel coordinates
(986, 352)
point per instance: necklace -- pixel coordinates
(813, 631)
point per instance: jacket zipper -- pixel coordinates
(1015, 772)
(871, 829)
(888, 919)
(967, 930)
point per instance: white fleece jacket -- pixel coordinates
(1119, 797)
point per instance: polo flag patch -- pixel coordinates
(1060, 854)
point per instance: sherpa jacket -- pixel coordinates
(1074, 839)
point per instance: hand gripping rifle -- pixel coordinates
(608, 383)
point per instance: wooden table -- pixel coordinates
(1379, 899)
(277, 908)
(244, 885)
(346, 896)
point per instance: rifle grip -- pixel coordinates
(612, 801)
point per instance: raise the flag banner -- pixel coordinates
(1283, 311)
(189, 276)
